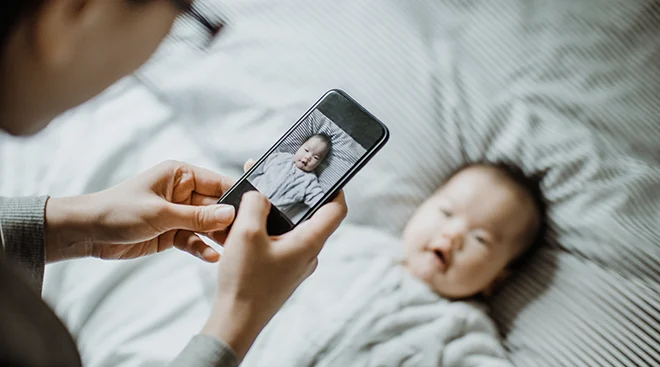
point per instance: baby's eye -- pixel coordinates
(482, 240)
(446, 213)
(316, 157)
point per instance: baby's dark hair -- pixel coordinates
(326, 138)
(11, 12)
(532, 187)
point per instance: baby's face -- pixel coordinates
(462, 238)
(311, 154)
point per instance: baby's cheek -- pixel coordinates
(453, 285)
(474, 273)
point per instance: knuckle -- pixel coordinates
(309, 249)
(169, 164)
(316, 247)
(255, 200)
(200, 218)
(253, 196)
(180, 169)
(250, 232)
(225, 182)
(175, 167)
(158, 215)
(314, 264)
(343, 211)
(312, 241)
(311, 267)
(247, 227)
(162, 210)
(249, 195)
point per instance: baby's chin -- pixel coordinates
(435, 279)
(422, 271)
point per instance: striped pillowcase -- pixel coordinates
(345, 151)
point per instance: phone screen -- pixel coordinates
(313, 160)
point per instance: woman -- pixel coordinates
(57, 54)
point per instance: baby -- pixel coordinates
(463, 239)
(289, 180)
(374, 302)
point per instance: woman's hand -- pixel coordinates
(157, 210)
(258, 273)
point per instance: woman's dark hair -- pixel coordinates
(11, 12)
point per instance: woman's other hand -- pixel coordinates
(258, 272)
(150, 213)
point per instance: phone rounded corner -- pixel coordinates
(386, 133)
(337, 91)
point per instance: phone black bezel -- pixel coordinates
(334, 190)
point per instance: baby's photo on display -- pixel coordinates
(306, 165)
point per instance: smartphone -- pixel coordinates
(308, 166)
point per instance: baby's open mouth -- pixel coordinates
(440, 256)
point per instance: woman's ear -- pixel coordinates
(497, 282)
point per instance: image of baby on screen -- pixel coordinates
(289, 180)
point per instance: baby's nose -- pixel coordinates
(451, 240)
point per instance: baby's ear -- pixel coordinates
(497, 282)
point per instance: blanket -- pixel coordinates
(362, 308)
(285, 184)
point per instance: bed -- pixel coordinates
(569, 90)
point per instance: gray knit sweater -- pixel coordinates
(30, 333)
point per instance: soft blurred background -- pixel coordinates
(566, 89)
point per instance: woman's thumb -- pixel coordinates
(200, 218)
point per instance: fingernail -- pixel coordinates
(201, 256)
(224, 213)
